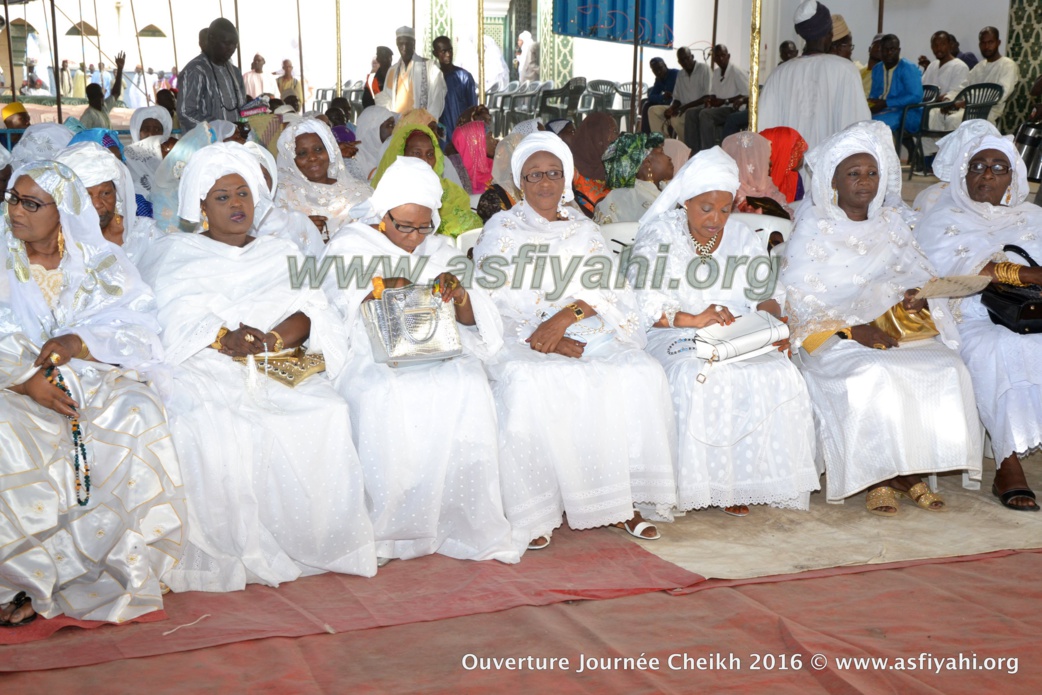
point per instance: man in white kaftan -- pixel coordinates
(413, 82)
(817, 94)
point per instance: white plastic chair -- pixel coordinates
(619, 235)
(764, 225)
(466, 241)
(474, 199)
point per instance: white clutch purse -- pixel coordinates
(750, 335)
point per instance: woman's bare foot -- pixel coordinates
(633, 527)
(904, 483)
(1010, 476)
(737, 510)
(17, 612)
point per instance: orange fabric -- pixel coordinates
(589, 192)
(787, 150)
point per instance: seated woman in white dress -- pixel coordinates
(431, 479)
(111, 191)
(887, 413)
(273, 481)
(983, 210)
(950, 150)
(313, 178)
(636, 166)
(746, 435)
(585, 418)
(92, 510)
(286, 224)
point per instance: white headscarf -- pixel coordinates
(367, 131)
(408, 180)
(40, 141)
(333, 201)
(527, 127)
(501, 173)
(952, 146)
(838, 272)
(103, 299)
(544, 142)
(222, 129)
(709, 170)
(961, 236)
(264, 158)
(5, 157)
(90, 163)
(167, 179)
(212, 163)
(143, 114)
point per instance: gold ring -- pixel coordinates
(879, 346)
(55, 358)
(248, 338)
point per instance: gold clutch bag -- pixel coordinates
(905, 327)
(288, 367)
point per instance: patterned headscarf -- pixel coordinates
(625, 156)
(470, 140)
(787, 150)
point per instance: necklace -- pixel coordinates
(55, 377)
(704, 251)
(236, 98)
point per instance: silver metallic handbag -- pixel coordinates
(409, 325)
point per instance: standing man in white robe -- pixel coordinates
(413, 82)
(817, 94)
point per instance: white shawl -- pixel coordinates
(103, 299)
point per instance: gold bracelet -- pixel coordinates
(279, 343)
(466, 298)
(845, 333)
(84, 350)
(216, 345)
(1009, 273)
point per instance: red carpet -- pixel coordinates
(597, 564)
(984, 607)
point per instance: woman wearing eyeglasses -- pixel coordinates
(419, 142)
(426, 434)
(585, 418)
(984, 209)
(889, 411)
(92, 512)
(273, 482)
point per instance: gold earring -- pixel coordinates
(1009, 195)
(119, 219)
(206, 223)
(61, 242)
(835, 196)
(382, 227)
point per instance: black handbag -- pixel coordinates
(1017, 308)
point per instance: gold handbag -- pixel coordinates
(288, 367)
(905, 327)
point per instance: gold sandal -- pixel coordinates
(879, 498)
(921, 495)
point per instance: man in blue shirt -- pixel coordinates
(896, 83)
(660, 93)
(461, 90)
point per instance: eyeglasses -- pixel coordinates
(29, 204)
(406, 229)
(537, 176)
(997, 169)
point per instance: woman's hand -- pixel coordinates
(243, 341)
(48, 395)
(911, 304)
(320, 223)
(390, 284)
(348, 149)
(716, 314)
(872, 337)
(569, 347)
(450, 290)
(550, 333)
(65, 346)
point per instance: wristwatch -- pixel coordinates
(579, 315)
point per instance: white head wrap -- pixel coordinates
(223, 129)
(952, 147)
(5, 157)
(805, 11)
(94, 165)
(527, 127)
(1018, 187)
(40, 141)
(167, 179)
(405, 31)
(143, 114)
(368, 133)
(871, 137)
(544, 142)
(264, 158)
(709, 170)
(408, 180)
(212, 163)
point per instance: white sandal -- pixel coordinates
(638, 530)
(535, 545)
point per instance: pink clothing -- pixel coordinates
(470, 141)
(752, 152)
